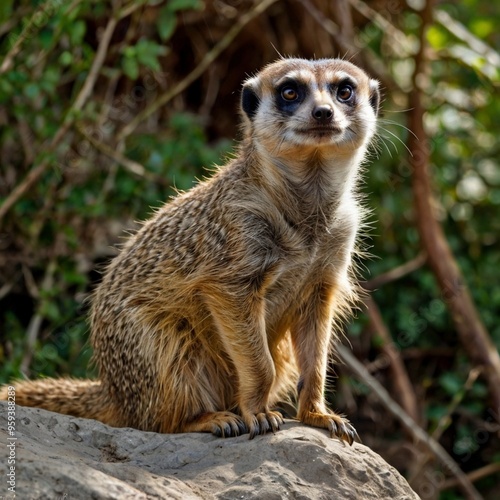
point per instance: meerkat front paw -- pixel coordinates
(263, 422)
(221, 424)
(338, 425)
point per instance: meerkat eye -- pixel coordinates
(289, 94)
(345, 93)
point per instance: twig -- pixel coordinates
(196, 72)
(6, 288)
(10, 23)
(418, 434)
(329, 26)
(402, 384)
(475, 475)
(342, 13)
(23, 36)
(399, 39)
(395, 273)
(36, 320)
(132, 166)
(463, 34)
(445, 420)
(350, 46)
(30, 282)
(35, 173)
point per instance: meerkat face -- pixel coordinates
(297, 103)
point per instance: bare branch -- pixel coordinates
(396, 273)
(36, 321)
(402, 384)
(32, 25)
(445, 420)
(132, 166)
(462, 33)
(35, 173)
(419, 435)
(475, 475)
(398, 38)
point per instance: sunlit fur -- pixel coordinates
(225, 299)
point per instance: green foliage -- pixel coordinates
(463, 101)
(145, 53)
(82, 192)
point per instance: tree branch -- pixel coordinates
(349, 46)
(445, 421)
(403, 388)
(396, 273)
(455, 293)
(36, 320)
(475, 475)
(419, 435)
(35, 173)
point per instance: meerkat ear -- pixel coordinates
(375, 96)
(249, 98)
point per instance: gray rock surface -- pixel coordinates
(60, 457)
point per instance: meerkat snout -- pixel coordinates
(323, 114)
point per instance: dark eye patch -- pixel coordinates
(344, 91)
(289, 96)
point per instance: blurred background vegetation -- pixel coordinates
(106, 108)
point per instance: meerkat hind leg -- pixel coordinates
(311, 337)
(338, 425)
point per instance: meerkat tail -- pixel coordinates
(79, 398)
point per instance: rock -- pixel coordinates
(71, 458)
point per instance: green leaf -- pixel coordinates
(46, 38)
(436, 37)
(130, 67)
(436, 412)
(166, 23)
(175, 5)
(77, 32)
(31, 90)
(130, 52)
(451, 383)
(6, 90)
(50, 311)
(66, 58)
(50, 79)
(148, 52)
(482, 28)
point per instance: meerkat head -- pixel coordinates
(294, 104)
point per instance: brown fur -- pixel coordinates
(212, 311)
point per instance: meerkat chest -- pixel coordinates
(324, 259)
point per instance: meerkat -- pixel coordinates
(228, 299)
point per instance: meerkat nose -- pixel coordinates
(323, 113)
